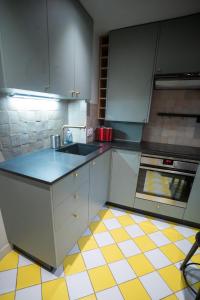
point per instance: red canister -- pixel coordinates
(104, 134)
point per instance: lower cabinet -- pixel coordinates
(159, 208)
(99, 183)
(124, 174)
(192, 211)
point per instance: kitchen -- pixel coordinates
(108, 207)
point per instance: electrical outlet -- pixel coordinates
(90, 131)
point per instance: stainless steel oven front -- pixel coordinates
(165, 179)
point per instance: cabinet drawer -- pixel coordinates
(66, 187)
(72, 207)
(159, 208)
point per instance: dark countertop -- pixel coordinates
(183, 152)
(49, 166)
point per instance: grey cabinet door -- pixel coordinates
(131, 66)
(24, 44)
(179, 46)
(83, 34)
(99, 183)
(192, 212)
(61, 46)
(124, 174)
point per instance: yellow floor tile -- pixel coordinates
(173, 277)
(28, 276)
(196, 258)
(73, 264)
(133, 290)
(9, 296)
(140, 264)
(119, 235)
(173, 253)
(191, 239)
(145, 243)
(87, 243)
(171, 297)
(91, 297)
(106, 214)
(111, 253)
(97, 227)
(148, 227)
(101, 278)
(55, 290)
(10, 261)
(172, 234)
(125, 220)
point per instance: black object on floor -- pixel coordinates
(185, 264)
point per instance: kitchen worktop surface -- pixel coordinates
(169, 150)
(49, 165)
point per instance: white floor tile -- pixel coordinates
(138, 218)
(8, 281)
(79, 285)
(96, 219)
(87, 232)
(122, 271)
(110, 294)
(112, 224)
(184, 246)
(160, 224)
(23, 261)
(157, 258)
(129, 248)
(31, 293)
(118, 212)
(134, 231)
(185, 231)
(185, 294)
(93, 258)
(159, 238)
(155, 286)
(103, 239)
(48, 276)
(74, 250)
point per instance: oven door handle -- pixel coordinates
(167, 171)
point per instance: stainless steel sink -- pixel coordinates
(79, 149)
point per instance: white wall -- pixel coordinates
(4, 246)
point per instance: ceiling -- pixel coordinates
(113, 14)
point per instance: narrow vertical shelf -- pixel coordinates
(103, 76)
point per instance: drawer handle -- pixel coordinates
(76, 196)
(76, 174)
(158, 206)
(75, 216)
(94, 163)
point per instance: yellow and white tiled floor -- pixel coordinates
(122, 255)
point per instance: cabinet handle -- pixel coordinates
(73, 93)
(158, 206)
(94, 163)
(76, 196)
(76, 174)
(75, 216)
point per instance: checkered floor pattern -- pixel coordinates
(122, 255)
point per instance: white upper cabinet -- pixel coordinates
(24, 45)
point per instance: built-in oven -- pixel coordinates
(165, 179)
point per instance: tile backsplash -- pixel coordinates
(174, 130)
(26, 125)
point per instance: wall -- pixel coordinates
(26, 125)
(126, 131)
(171, 130)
